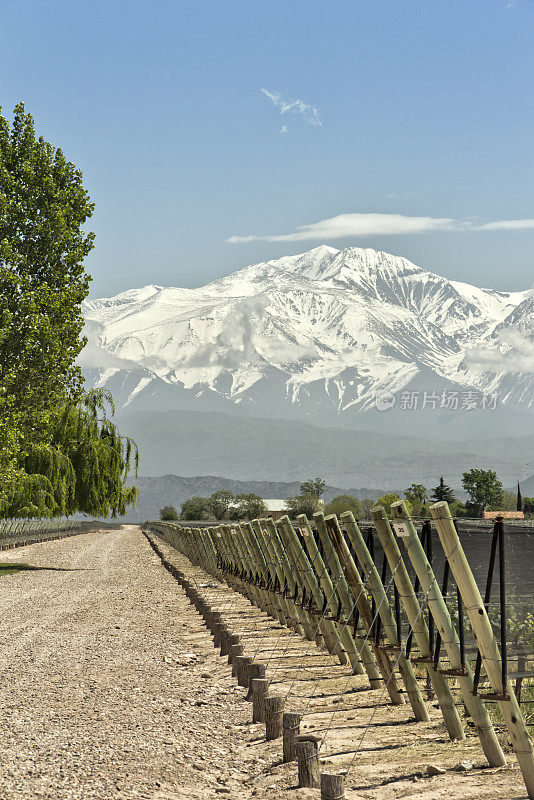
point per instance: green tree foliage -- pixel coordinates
(168, 514)
(416, 494)
(59, 450)
(508, 502)
(367, 505)
(220, 503)
(307, 503)
(388, 499)
(196, 508)
(442, 492)
(81, 468)
(345, 502)
(484, 489)
(313, 486)
(528, 506)
(250, 506)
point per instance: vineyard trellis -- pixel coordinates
(365, 607)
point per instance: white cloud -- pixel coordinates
(310, 114)
(513, 352)
(94, 356)
(507, 225)
(347, 226)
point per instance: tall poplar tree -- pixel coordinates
(43, 209)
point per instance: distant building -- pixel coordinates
(275, 508)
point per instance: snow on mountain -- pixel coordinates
(317, 333)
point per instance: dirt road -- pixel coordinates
(109, 683)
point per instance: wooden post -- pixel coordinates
(256, 670)
(266, 528)
(327, 587)
(270, 566)
(259, 688)
(233, 639)
(307, 753)
(332, 786)
(236, 650)
(293, 612)
(274, 711)
(449, 637)
(242, 665)
(413, 611)
(291, 729)
(487, 645)
(382, 603)
(324, 626)
(361, 602)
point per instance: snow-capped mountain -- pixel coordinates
(316, 334)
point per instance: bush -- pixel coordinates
(196, 508)
(168, 513)
(345, 502)
(303, 504)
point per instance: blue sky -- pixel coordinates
(416, 109)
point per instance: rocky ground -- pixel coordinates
(110, 688)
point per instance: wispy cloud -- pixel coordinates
(310, 114)
(507, 225)
(510, 3)
(347, 226)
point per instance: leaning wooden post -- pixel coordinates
(332, 786)
(349, 601)
(324, 626)
(307, 753)
(274, 711)
(382, 603)
(330, 596)
(449, 637)
(271, 569)
(294, 614)
(413, 611)
(486, 643)
(291, 729)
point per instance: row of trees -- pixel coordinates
(484, 489)
(59, 450)
(220, 506)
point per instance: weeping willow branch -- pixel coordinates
(82, 468)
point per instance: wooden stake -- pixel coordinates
(449, 637)
(291, 729)
(358, 597)
(259, 688)
(307, 753)
(486, 642)
(274, 711)
(414, 614)
(242, 665)
(236, 650)
(256, 670)
(382, 603)
(332, 786)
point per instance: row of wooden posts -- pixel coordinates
(330, 590)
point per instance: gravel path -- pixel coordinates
(109, 683)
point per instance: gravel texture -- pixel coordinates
(109, 683)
